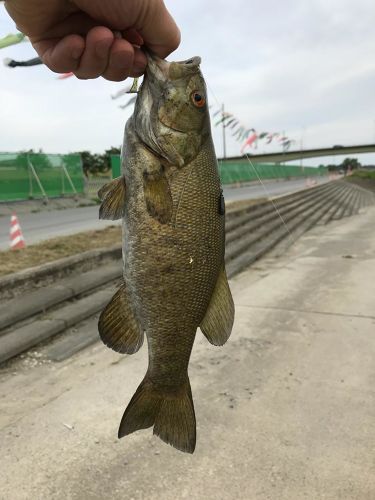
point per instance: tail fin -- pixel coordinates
(172, 415)
(175, 421)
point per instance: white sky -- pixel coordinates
(306, 67)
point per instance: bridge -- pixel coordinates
(307, 153)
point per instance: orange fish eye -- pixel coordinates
(198, 99)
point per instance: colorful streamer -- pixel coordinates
(64, 76)
(12, 39)
(227, 120)
(11, 63)
(249, 141)
(249, 135)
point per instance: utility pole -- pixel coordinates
(283, 162)
(224, 138)
(301, 145)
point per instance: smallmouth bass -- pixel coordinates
(170, 199)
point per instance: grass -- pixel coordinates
(12, 261)
(364, 174)
(363, 178)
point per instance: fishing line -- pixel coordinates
(259, 179)
(271, 200)
(217, 102)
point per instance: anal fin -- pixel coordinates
(112, 196)
(218, 320)
(118, 327)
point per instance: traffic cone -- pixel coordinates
(16, 237)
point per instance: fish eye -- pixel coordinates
(198, 99)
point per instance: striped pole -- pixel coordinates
(16, 237)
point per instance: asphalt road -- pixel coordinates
(44, 225)
(285, 409)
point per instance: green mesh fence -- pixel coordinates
(24, 176)
(233, 171)
(116, 165)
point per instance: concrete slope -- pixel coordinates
(251, 233)
(285, 410)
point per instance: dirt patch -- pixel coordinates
(12, 261)
(234, 206)
(364, 182)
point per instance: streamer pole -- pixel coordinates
(224, 138)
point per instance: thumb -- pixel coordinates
(159, 30)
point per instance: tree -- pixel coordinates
(107, 156)
(91, 163)
(96, 163)
(333, 168)
(350, 164)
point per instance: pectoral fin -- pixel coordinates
(118, 327)
(218, 321)
(113, 199)
(158, 197)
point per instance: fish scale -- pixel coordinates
(198, 222)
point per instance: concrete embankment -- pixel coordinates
(60, 303)
(285, 410)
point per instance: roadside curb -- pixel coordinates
(55, 268)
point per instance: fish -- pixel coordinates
(172, 207)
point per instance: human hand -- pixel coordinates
(95, 38)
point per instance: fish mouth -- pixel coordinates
(193, 61)
(165, 70)
(157, 66)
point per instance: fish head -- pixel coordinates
(171, 113)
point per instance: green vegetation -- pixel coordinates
(364, 174)
(364, 178)
(347, 164)
(97, 164)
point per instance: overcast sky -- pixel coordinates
(303, 67)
